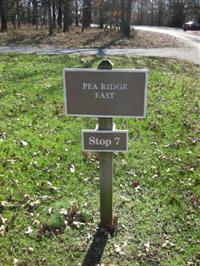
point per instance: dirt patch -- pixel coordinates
(93, 37)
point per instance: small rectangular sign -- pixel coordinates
(105, 93)
(105, 140)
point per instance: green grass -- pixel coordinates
(156, 183)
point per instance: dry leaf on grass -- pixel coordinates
(72, 168)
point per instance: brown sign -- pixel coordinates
(105, 141)
(105, 93)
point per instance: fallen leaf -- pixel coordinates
(24, 143)
(124, 199)
(135, 184)
(192, 140)
(77, 224)
(96, 157)
(85, 155)
(2, 135)
(118, 249)
(168, 243)
(114, 225)
(32, 205)
(138, 188)
(72, 168)
(15, 261)
(5, 204)
(36, 222)
(29, 230)
(49, 210)
(30, 249)
(147, 246)
(124, 162)
(155, 176)
(2, 230)
(63, 211)
(195, 201)
(2, 220)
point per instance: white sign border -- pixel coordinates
(103, 71)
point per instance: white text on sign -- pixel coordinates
(105, 90)
(103, 141)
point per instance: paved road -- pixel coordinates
(187, 37)
(191, 52)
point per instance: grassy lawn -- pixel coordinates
(93, 37)
(49, 190)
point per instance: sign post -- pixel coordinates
(105, 168)
(105, 93)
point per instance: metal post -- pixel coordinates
(106, 168)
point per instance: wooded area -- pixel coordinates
(118, 14)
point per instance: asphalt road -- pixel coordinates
(190, 52)
(187, 37)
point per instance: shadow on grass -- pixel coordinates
(96, 249)
(105, 43)
(23, 39)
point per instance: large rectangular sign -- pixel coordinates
(105, 93)
(105, 141)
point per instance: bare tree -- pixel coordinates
(111, 14)
(126, 17)
(101, 14)
(178, 16)
(122, 24)
(13, 13)
(66, 20)
(3, 16)
(87, 14)
(59, 18)
(50, 21)
(161, 9)
(76, 14)
(18, 12)
(54, 13)
(35, 13)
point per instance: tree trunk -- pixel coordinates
(18, 14)
(160, 12)
(66, 21)
(127, 25)
(76, 13)
(13, 14)
(29, 12)
(35, 14)
(152, 13)
(54, 13)
(3, 16)
(122, 24)
(13, 21)
(50, 21)
(142, 4)
(101, 14)
(178, 15)
(59, 18)
(87, 14)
